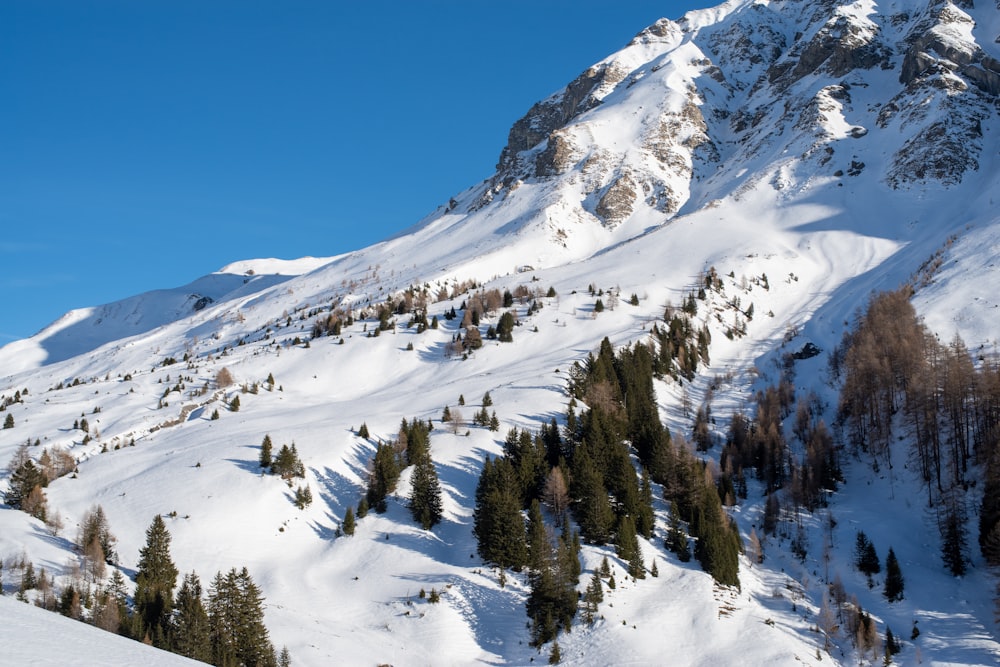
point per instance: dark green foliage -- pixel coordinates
(24, 479)
(234, 405)
(592, 508)
(363, 431)
(383, 478)
(425, 501)
(487, 400)
(215, 414)
(555, 655)
(348, 524)
(156, 578)
(303, 496)
(265, 452)
(552, 601)
(363, 507)
(676, 539)
(446, 414)
(497, 521)
(505, 328)
(599, 306)
(236, 618)
(9, 421)
(190, 631)
(628, 548)
(718, 546)
(287, 463)
(893, 589)
(866, 558)
(592, 598)
(538, 538)
(953, 542)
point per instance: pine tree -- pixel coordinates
(95, 529)
(953, 544)
(592, 597)
(265, 452)
(676, 539)
(363, 431)
(628, 548)
(9, 421)
(348, 525)
(893, 590)
(383, 478)
(190, 632)
(156, 577)
(497, 521)
(236, 617)
(866, 558)
(425, 501)
(234, 405)
(24, 479)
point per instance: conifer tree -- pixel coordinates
(383, 478)
(265, 452)
(190, 632)
(156, 578)
(866, 558)
(24, 479)
(236, 617)
(425, 501)
(893, 589)
(676, 539)
(95, 529)
(497, 521)
(628, 547)
(9, 421)
(348, 526)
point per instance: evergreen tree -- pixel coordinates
(505, 328)
(236, 617)
(9, 421)
(497, 521)
(953, 545)
(234, 405)
(156, 577)
(348, 525)
(425, 501)
(866, 558)
(592, 597)
(24, 479)
(363, 507)
(893, 590)
(538, 538)
(383, 477)
(676, 539)
(628, 547)
(190, 632)
(592, 508)
(265, 452)
(363, 431)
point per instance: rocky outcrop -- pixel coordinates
(618, 201)
(555, 112)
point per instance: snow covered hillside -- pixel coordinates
(807, 154)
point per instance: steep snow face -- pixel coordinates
(811, 152)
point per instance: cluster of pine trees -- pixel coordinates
(410, 448)
(224, 628)
(590, 470)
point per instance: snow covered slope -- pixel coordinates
(811, 152)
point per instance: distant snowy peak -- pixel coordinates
(277, 267)
(701, 108)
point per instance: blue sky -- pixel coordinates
(144, 144)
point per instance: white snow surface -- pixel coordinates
(772, 202)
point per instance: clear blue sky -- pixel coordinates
(144, 144)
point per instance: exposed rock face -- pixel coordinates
(749, 81)
(549, 115)
(618, 201)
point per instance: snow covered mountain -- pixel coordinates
(811, 152)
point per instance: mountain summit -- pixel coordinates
(728, 191)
